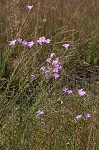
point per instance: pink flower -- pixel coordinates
(87, 116)
(41, 40)
(78, 117)
(47, 75)
(47, 41)
(48, 60)
(19, 40)
(24, 43)
(66, 46)
(39, 112)
(55, 62)
(30, 44)
(81, 92)
(56, 75)
(67, 91)
(42, 68)
(58, 66)
(55, 70)
(29, 7)
(13, 42)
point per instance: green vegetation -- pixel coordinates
(25, 88)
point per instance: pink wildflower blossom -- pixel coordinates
(13, 42)
(66, 46)
(30, 44)
(88, 116)
(81, 92)
(39, 112)
(78, 117)
(29, 7)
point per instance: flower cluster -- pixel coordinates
(22, 42)
(81, 92)
(43, 40)
(31, 43)
(67, 91)
(78, 117)
(53, 67)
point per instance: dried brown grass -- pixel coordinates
(62, 21)
(50, 15)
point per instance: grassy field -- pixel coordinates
(49, 75)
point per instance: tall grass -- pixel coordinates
(21, 96)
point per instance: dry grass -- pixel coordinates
(63, 21)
